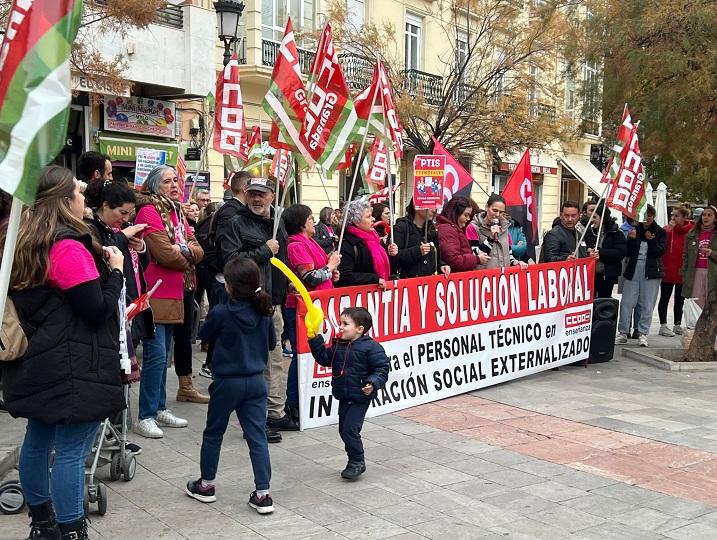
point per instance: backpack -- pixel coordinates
(13, 340)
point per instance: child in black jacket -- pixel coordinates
(359, 368)
(242, 333)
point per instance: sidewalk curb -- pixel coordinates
(9, 455)
(655, 357)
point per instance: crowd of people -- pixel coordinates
(104, 244)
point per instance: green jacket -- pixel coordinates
(689, 259)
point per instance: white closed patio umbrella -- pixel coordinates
(648, 194)
(662, 217)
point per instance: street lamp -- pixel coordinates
(228, 15)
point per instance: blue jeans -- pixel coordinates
(153, 384)
(247, 397)
(638, 292)
(71, 442)
(351, 417)
(292, 377)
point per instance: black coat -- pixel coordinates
(655, 250)
(219, 228)
(247, 237)
(356, 267)
(560, 242)
(354, 364)
(142, 324)
(324, 237)
(70, 372)
(613, 249)
(409, 262)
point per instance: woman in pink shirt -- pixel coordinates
(317, 270)
(66, 289)
(699, 263)
(174, 252)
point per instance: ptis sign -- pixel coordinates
(429, 173)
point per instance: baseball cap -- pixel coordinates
(261, 184)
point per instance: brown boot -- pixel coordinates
(187, 392)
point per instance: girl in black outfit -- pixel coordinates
(417, 241)
(611, 247)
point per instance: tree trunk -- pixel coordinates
(702, 347)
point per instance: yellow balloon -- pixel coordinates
(314, 316)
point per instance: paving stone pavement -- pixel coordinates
(453, 468)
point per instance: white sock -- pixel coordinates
(205, 483)
(262, 493)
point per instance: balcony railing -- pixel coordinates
(358, 70)
(171, 16)
(542, 110)
(270, 51)
(421, 84)
(590, 127)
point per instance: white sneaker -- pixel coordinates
(167, 419)
(621, 339)
(677, 329)
(664, 331)
(148, 428)
(643, 340)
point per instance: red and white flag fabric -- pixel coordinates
(280, 167)
(285, 102)
(458, 182)
(382, 118)
(229, 120)
(182, 175)
(382, 194)
(520, 201)
(330, 122)
(347, 160)
(374, 168)
(624, 132)
(627, 194)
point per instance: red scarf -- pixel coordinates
(372, 241)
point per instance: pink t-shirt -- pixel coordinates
(70, 265)
(297, 256)
(704, 242)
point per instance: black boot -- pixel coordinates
(74, 530)
(353, 470)
(44, 524)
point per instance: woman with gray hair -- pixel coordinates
(363, 258)
(174, 252)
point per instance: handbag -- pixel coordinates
(13, 340)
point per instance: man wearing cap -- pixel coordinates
(251, 236)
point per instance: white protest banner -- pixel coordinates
(147, 159)
(448, 336)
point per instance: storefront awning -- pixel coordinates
(584, 171)
(125, 148)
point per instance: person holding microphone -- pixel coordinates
(489, 234)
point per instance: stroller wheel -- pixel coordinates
(102, 499)
(115, 466)
(12, 498)
(129, 467)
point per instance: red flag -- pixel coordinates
(255, 137)
(378, 166)
(229, 121)
(383, 111)
(330, 122)
(346, 161)
(627, 194)
(520, 201)
(458, 182)
(382, 194)
(182, 175)
(280, 166)
(624, 132)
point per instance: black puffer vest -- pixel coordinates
(70, 372)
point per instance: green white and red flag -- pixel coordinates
(285, 102)
(258, 151)
(281, 166)
(380, 115)
(623, 137)
(330, 123)
(375, 166)
(229, 119)
(35, 91)
(627, 194)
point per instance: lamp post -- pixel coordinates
(228, 15)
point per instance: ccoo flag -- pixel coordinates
(35, 90)
(520, 201)
(458, 182)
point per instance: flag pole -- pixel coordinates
(388, 161)
(358, 166)
(8, 254)
(280, 206)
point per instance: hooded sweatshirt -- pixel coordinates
(242, 337)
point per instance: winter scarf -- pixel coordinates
(379, 257)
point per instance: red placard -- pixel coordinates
(429, 172)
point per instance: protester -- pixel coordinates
(586, 214)
(94, 168)
(627, 226)
(560, 242)
(203, 199)
(699, 269)
(250, 235)
(489, 229)
(204, 274)
(381, 214)
(645, 247)
(359, 368)
(417, 241)
(174, 252)
(609, 248)
(518, 241)
(454, 246)
(192, 214)
(676, 232)
(363, 258)
(66, 287)
(317, 271)
(243, 334)
(326, 230)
